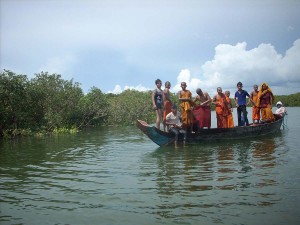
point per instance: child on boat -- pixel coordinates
(173, 119)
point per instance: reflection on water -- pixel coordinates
(215, 178)
(117, 176)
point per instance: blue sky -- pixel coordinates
(120, 44)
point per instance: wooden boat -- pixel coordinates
(162, 138)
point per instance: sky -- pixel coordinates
(116, 45)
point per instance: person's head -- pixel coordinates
(183, 85)
(158, 82)
(219, 90)
(279, 104)
(264, 86)
(167, 84)
(227, 93)
(199, 91)
(239, 85)
(255, 87)
(174, 108)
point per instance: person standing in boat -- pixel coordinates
(230, 109)
(173, 120)
(186, 103)
(255, 108)
(265, 101)
(157, 101)
(167, 103)
(221, 108)
(202, 110)
(241, 103)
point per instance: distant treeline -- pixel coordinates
(49, 104)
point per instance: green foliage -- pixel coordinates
(130, 105)
(288, 100)
(12, 133)
(64, 130)
(55, 100)
(13, 100)
(93, 108)
(174, 99)
(44, 103)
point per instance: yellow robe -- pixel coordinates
(186, 110)
(255, 109)
(229, 117)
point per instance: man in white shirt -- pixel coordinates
(173, 119)
(281, 111)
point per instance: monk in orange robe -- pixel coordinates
(221, 109)
(167, 103)
(186, 104)
(255, 108)
(265, 100)
(229, 106)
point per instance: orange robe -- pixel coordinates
(167, 109)
(255, 109)
(229, 117)
(222, 112)
(186, 110)
(230, 120)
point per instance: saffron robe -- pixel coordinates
(255, 108)
(222, 112)
(186, 109)
(229, 117)
(230, 120)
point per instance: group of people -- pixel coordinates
(262, 100)
(196, 113)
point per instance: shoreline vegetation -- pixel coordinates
(50, 105)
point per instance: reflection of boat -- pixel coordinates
(209, 135)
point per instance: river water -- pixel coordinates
(118, 176)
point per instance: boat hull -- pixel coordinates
(162, 138)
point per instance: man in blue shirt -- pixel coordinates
(241, 104)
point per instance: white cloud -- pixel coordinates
(233, 63)
(118, 89)
(138, 88)
(185, 76)
(289, 66)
